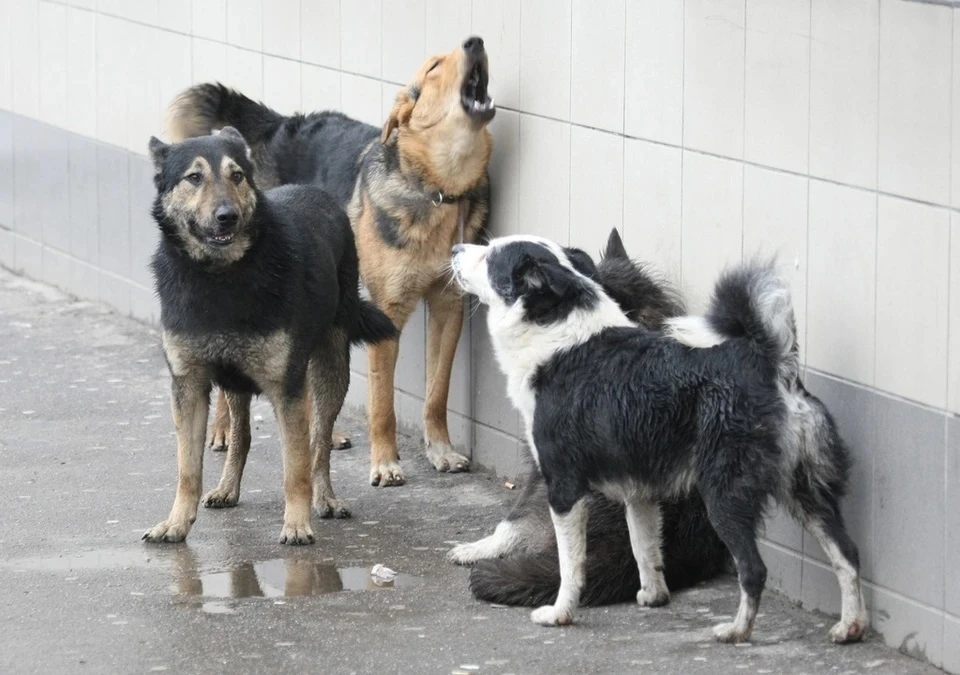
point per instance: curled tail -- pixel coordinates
(753, 301)
(202, 108)
(373, 325)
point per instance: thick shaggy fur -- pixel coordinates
(259, 293)
(412, 189)
(644, 417)
(518, 563)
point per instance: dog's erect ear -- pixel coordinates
(537, 275)
(400, 115)
(233, 134)
(615, 248)
(158, 152)
(582, 262)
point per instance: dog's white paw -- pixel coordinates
(850, 631)
(550, 615)
(221, 498)
(445, 460)
(730, 632)
(466, 554)
(386, 474)
(653, 597)
(167, 532)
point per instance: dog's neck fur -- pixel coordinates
(523, 347)
(453, 166)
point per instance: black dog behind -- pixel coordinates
(518, 563)
(259, 293)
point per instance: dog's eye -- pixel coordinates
(433, 67)
(194, 178)
(236, 177)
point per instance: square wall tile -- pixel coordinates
(460, 396)
(281, 84)
(144, 305)
(953, 349)
(491, 405)
(915, 75)
(113, 211)
(28, 257)
(246, 24)
(142, 92)
(652, 180)
(115, 293)
(951, 638)
(544, 178)
(81, 84)
(24, 54)
(360, 26)
(498, 23)
(281, 29)
(654, 71)
(913, 258)
(775, 224)
(319, 88)
(82, 187)
(713, 78)
(53, 64)
(596, 195)
(411, 373)
(53, 207)
(908, 508)
(6, 170)
(908, 627)
(144, 233)
(783, 569)
(448, 24)
(209, 61)
(245, 73)
(712, 232)
(112, 79)
(320, 32)
(843, 90)
(545, 29)
(27, 176)
(174, 15)
(7, 249)
(361, 98)
(496, 451)
(597, 64)
(841, 281)
(776, 115)
(781, 528)
(6, 67)
(505, 174)
(85, 281)
(56, 269)
(173, 74)
(854, 410)
(209, 19)
(955, 126)
(952, 557)
(404, 43)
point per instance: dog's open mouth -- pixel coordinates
(474, 96)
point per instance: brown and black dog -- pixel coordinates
(411, 189)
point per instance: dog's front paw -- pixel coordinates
(850, 631)
(167, 532)
(465, 554)
(296, 534)
(549, 615)
(445, 460)
(386, 474)
(341, 440)
(327, 507)
(221, 498)
(653, 597)
(731, 633)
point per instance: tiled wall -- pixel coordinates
(707, 130)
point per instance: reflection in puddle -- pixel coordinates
(288, 577)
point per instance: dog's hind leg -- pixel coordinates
(220, 430)
(227, 493)
(842, 552)
(190, 401)
(734, 515)
(329, 378)
(644, 522)
(443, 332)
(293, 417)
(571, 530)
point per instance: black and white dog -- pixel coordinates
(715, 404)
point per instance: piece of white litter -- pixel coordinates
(283, 644)
(29, 412)
(381, 572)
(112, 522)
(469, 666)
(496, 606)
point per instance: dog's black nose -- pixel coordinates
(226, 215)
(458, 248)
(473, 44)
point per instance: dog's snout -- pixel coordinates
(458, 248)
(226, 215)
(473, 44)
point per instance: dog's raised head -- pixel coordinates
(206, 195)
(441, 117)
